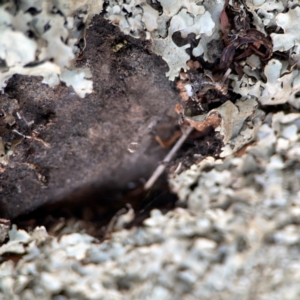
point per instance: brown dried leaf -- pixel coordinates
(225, 25)
(182, 90)
(171, 141)
(258, 39)
(242, 151)
(179, 108)
(213, 120)
(227, 56)
(194, 65)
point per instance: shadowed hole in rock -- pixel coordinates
(90, 209)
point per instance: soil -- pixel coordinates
(102, 142)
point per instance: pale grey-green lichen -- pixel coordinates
(54, 25)
(39, 38)
(238, 237)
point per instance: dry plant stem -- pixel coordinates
(32, 138)
(226, 75)
(159, 170)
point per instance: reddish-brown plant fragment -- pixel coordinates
(179, 108)
(213, 120)
(182, 90)
(194, 64)
(227, 56)
(258, 39)
(255, 39)
(171, 141)
(242, 151)
(225, 25)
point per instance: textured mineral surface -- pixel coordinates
(234, 233)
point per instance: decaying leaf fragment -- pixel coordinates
(239, 36)
(230, 121)
(203, 122)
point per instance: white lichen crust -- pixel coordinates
(202, 18)
(39, 38)
(238, 237)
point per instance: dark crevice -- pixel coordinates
(92, 208)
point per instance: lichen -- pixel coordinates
(40, 38)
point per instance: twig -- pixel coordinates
(31, 138)
(159, 170)
(225, 76)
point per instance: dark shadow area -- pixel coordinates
(90, 209)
